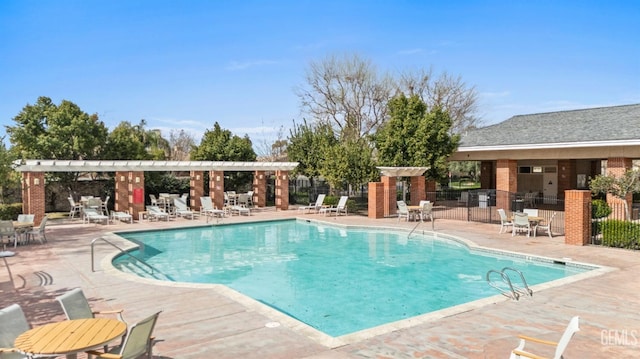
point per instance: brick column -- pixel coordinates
(506, 182)
(136, 188)
(260, 189)
(390, 195)
(486, 175)
(577, 217)
(121, 200)
(196, 188)
(567, 177)
(282, 190)
(617, 167)
(33, 198)
(216, 188)
(418, 189)
(376, 200)
(430, 189)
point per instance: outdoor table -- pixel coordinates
(70, 337)
(22, 225)
(414, 211)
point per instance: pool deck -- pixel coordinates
(206, 321)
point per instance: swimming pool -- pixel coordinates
(335, 279)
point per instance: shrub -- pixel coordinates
(10, 212)
(600, 209)
(620, 234)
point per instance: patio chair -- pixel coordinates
(546, 227)
(121, 216)
(154, 212)
(341, 207)
(38, 232)
(426, 211)
(21, 232)
(208, 209)
(530, 199)
(91, 214)
(75, 208)
(314, 206)
(13, 322)
(7, 230)
(504, 221)
(521, 224)
(153, 199)
(560, 346)
(137, 341)
(76, 306)
(403, 210)
(240, 210)
(531, 211)
(181, 208)
(250, 198)
(104, 206)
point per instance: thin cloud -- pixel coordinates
(495, 94)
(237, 66)
(411, 51)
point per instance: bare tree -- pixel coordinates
(449, 93)
(181, 144)
(346, 93)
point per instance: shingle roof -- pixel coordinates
(588, 125)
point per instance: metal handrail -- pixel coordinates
(505, 278)
(523, 290)
(120, 249)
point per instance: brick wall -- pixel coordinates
(577, 217)
(506, 182)
(418, 187)
(260, 189)
(282, 190)
(196, 188)
(376, 200)
(216, 188)
(390, 195)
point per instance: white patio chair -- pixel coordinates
(121, 216)
(521, 224)
(154, 212)
(545, 227)
(341, 207)
(38, 232)
(403, 211)
(76, 306)
(560, 346)
(208, 209)
(91, 214)
(13, 322)
(314, 206)
(137, 342)
(181, 208)
(75, 208)
(504, 220)
(7, 230)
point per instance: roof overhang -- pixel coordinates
(402, 171)
(127, 165)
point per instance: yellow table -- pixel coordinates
(22, 225)
(70, 337)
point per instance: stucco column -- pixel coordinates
(260, 189)
(617, 167)
(33, 198)
(418, 189)
(506, 182)
(196, 188)
(577, 217)
(390, 195)
(282, 190)
(216, 188)
(376, 200)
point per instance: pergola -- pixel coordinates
(383, 194)
(129, 180)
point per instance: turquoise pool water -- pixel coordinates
(336, 280)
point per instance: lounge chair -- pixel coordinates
(121, 216)
(403, 210)
(240, 210)
(545, 227)
(76, 306)
(571, 329)
(521, 224)
(154, 212)
(91, 214)
(340, 208)
(38, 232)
(137, 341)
(314, 206)
(504, 220)
(208, 209)
(181, 208)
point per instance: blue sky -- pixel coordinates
(187, 64)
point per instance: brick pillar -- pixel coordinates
(216, 188)
(33, 199)
(506, 182)
(121, 200)
(430, 189)
(418, 189)
(390, 195)
(136, 188)
(577, 217)
(376, 200)
(196, 188)
(617, 167)
(282, 190)
(486, 175)
(260, 189)
(567, 177)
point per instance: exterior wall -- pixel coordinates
(506, 182)
(376, 200)
(121, 200)
(390, 195)
(216, 188)
(567, 177)
(196, 188)
(431, 190)
(260, 189)
(33, 196)
(418, 188)
(486, 175)
(577, 220)
(282, 190)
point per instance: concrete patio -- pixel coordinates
(206, 321)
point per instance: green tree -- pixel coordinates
(620, 187)
(221, 145)
(413, 137)
(308, 145)
(8, 177)
(126, 142)
(349, 163)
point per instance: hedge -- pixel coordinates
(620, 234)
(10, 212)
